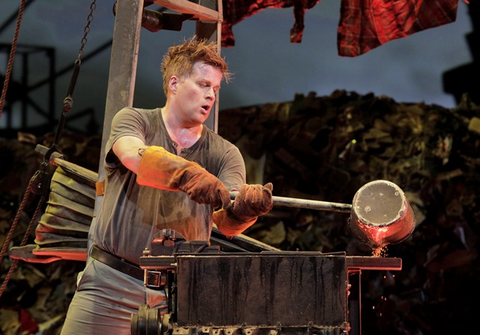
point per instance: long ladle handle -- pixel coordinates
(307, 204)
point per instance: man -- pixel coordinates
(164, 171)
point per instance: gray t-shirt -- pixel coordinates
(131, 214)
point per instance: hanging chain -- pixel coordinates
(93, 6)
(68, 101)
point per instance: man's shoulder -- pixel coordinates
(142, 115)
(217, 139)
(137, 110)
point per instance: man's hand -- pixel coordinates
(204, 188)
(251, 202)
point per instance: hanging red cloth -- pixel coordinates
(364, 24)
(235, 11)
(367, 24)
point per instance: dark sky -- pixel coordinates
(266, 66)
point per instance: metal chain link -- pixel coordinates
(86, 30)
(68, 101)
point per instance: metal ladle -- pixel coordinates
(380, 214)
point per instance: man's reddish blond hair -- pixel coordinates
(179, 59)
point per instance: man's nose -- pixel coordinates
(211, 94)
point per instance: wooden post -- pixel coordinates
(123, 70)
(212, 30)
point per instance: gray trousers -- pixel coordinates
(105, 300)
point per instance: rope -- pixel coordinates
(12, 55)
(30, 189)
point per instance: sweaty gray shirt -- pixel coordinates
(130, 214)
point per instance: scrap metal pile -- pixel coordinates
(320, 148)
(326, 148)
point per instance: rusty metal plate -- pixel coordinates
(268, 289)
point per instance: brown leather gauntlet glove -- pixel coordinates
(161, 169)
(251, 202)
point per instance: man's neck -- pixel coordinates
(181, 134)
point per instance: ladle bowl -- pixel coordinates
(381, 214)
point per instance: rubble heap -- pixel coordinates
(326, 148)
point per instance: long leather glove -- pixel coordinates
(251, 202)
(161, 169)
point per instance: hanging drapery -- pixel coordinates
(367, 24)
(363, 26)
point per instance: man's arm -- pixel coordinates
(158, 168)
(127, 148)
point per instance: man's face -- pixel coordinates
(194, 96)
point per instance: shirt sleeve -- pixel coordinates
(127, 122)
(232, 172)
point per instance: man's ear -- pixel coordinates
(172, 84)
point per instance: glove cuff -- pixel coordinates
(229, 225)
(161, 169)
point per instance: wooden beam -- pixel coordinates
(198, 11)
